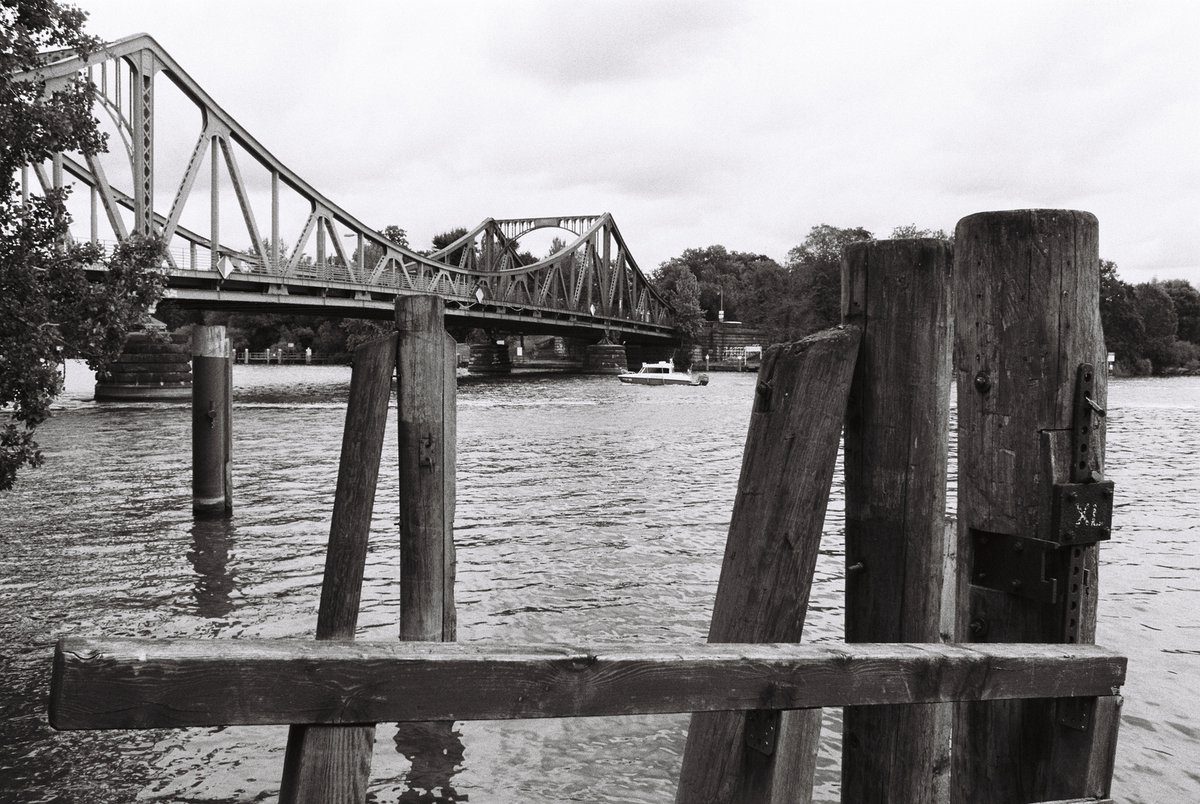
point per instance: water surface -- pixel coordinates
(587, 510)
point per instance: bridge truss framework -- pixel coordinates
(593, 285)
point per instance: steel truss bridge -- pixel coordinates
(590, 287)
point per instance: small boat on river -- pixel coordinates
(662, 373)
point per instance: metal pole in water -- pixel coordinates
(212, 386)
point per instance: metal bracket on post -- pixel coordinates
(762, 730)
(1080, 515)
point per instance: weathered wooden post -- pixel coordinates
(212, 428)
(1032, 504)
(897, 424)
(762, 596)
(333, 763)
(427, 391)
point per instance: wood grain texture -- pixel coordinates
(426, 390)
(333, 763)
(897, 433)
(766, 576)
(1027, 314)
(170, 683)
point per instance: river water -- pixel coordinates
(587, 510)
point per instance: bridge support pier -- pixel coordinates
(604, 358)
(212, 427)
(153, 366)
(490, 358)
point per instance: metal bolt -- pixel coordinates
(1016, 584)
(1019, 547)
(856, 567)
(977, 627)
(983, 382)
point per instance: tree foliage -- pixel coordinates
(1150, 327)
(912, 232)
(49, 308)
(817, 264)
(786, 301)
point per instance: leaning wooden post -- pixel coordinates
(762, 596)
(333, 763)
(212, 394)
(897, 429)
(1032, 504)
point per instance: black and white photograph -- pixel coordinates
(609, 401)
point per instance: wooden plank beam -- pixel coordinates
(766, 576)
(172, 683)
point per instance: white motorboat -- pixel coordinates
(662, 373)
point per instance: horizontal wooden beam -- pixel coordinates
(169, 683)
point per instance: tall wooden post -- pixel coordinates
(897, 424)
(427, 392)
(212, 394)
(1027, 319)
(332, 764)
(426, 362)
(762, 596)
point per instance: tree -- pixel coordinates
(443, 239)
(1161, 324)
(1187, 307)
(681, 291)
(49, 308)
(817, 263)
(396, 234)
(1124, 330)
(721, 275)
(911, 232)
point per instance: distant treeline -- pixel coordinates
(1153, 327)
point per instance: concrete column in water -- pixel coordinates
(212, 395)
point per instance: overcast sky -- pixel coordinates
(697, 123)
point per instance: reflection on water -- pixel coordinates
(587, 511)
(212, 540)
(436, 753)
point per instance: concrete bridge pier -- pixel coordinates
(490, 358)
(604, 357)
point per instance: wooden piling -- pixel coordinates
(333, 763)
(897, 424)
(762, 596)
(212, 407)
(1027, 316)
(427, 391)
